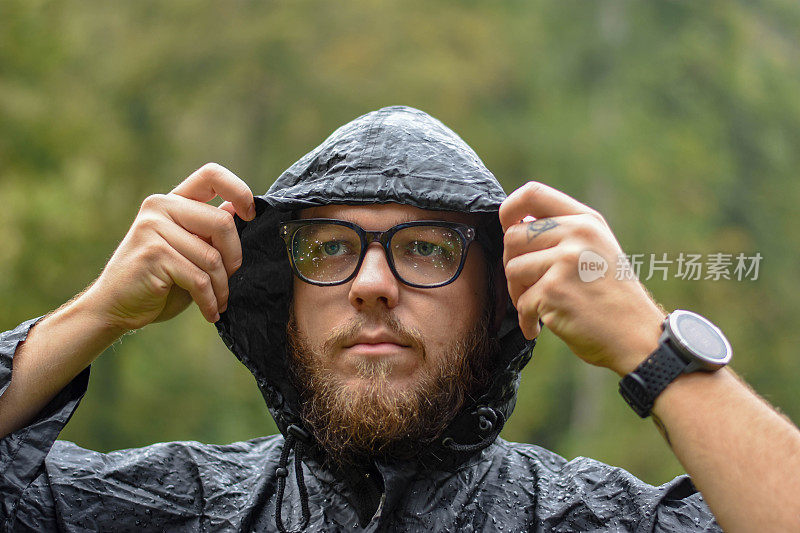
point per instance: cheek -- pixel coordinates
(315, 311)
(459, 307)
(476, 286)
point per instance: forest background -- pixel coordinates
(679, 121)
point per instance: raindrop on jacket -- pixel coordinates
(467, 480)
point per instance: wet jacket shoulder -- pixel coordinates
(586, 495)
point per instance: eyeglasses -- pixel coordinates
(424, 254)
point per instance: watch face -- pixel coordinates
(700, 337)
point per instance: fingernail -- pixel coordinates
(216, 317)
(251, 211)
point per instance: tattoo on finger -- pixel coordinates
(539, 226)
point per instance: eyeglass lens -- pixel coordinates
(422, 255)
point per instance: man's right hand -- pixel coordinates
(178, 249)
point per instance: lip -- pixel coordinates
(375, 348)
(376, 340)
(375, 344)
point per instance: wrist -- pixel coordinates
(684, 391)
(85, 310)
(689, 343)
(642, 341)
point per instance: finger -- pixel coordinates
(528, 312)
(212, 180)
(202, 255)
(533, 235)
(531, 328)
(207, 222)
(538, 200)
(523, 271)
(195, 281)
(227, 206)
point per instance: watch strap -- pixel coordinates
(641, 387)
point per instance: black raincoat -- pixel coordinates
(468, 480)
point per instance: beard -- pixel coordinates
(376, 419)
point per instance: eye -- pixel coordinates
(425, 248)
(332, 248)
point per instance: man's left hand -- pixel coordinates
(561, 264)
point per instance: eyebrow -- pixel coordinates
(401, 220)
(404, 219)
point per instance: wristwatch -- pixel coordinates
(689, 343)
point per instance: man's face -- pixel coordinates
(380, 362)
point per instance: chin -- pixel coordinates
(380, 381)
(388, 370)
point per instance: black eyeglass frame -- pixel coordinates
(289, 229)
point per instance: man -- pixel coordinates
(367, 292)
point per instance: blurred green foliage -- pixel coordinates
(680, 121)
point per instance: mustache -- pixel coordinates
(348, 332)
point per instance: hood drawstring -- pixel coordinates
(299, 437)
(488, 420)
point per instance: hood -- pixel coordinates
(396, 154)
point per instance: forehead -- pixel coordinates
(383, 216)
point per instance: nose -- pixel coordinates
(374, 284)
